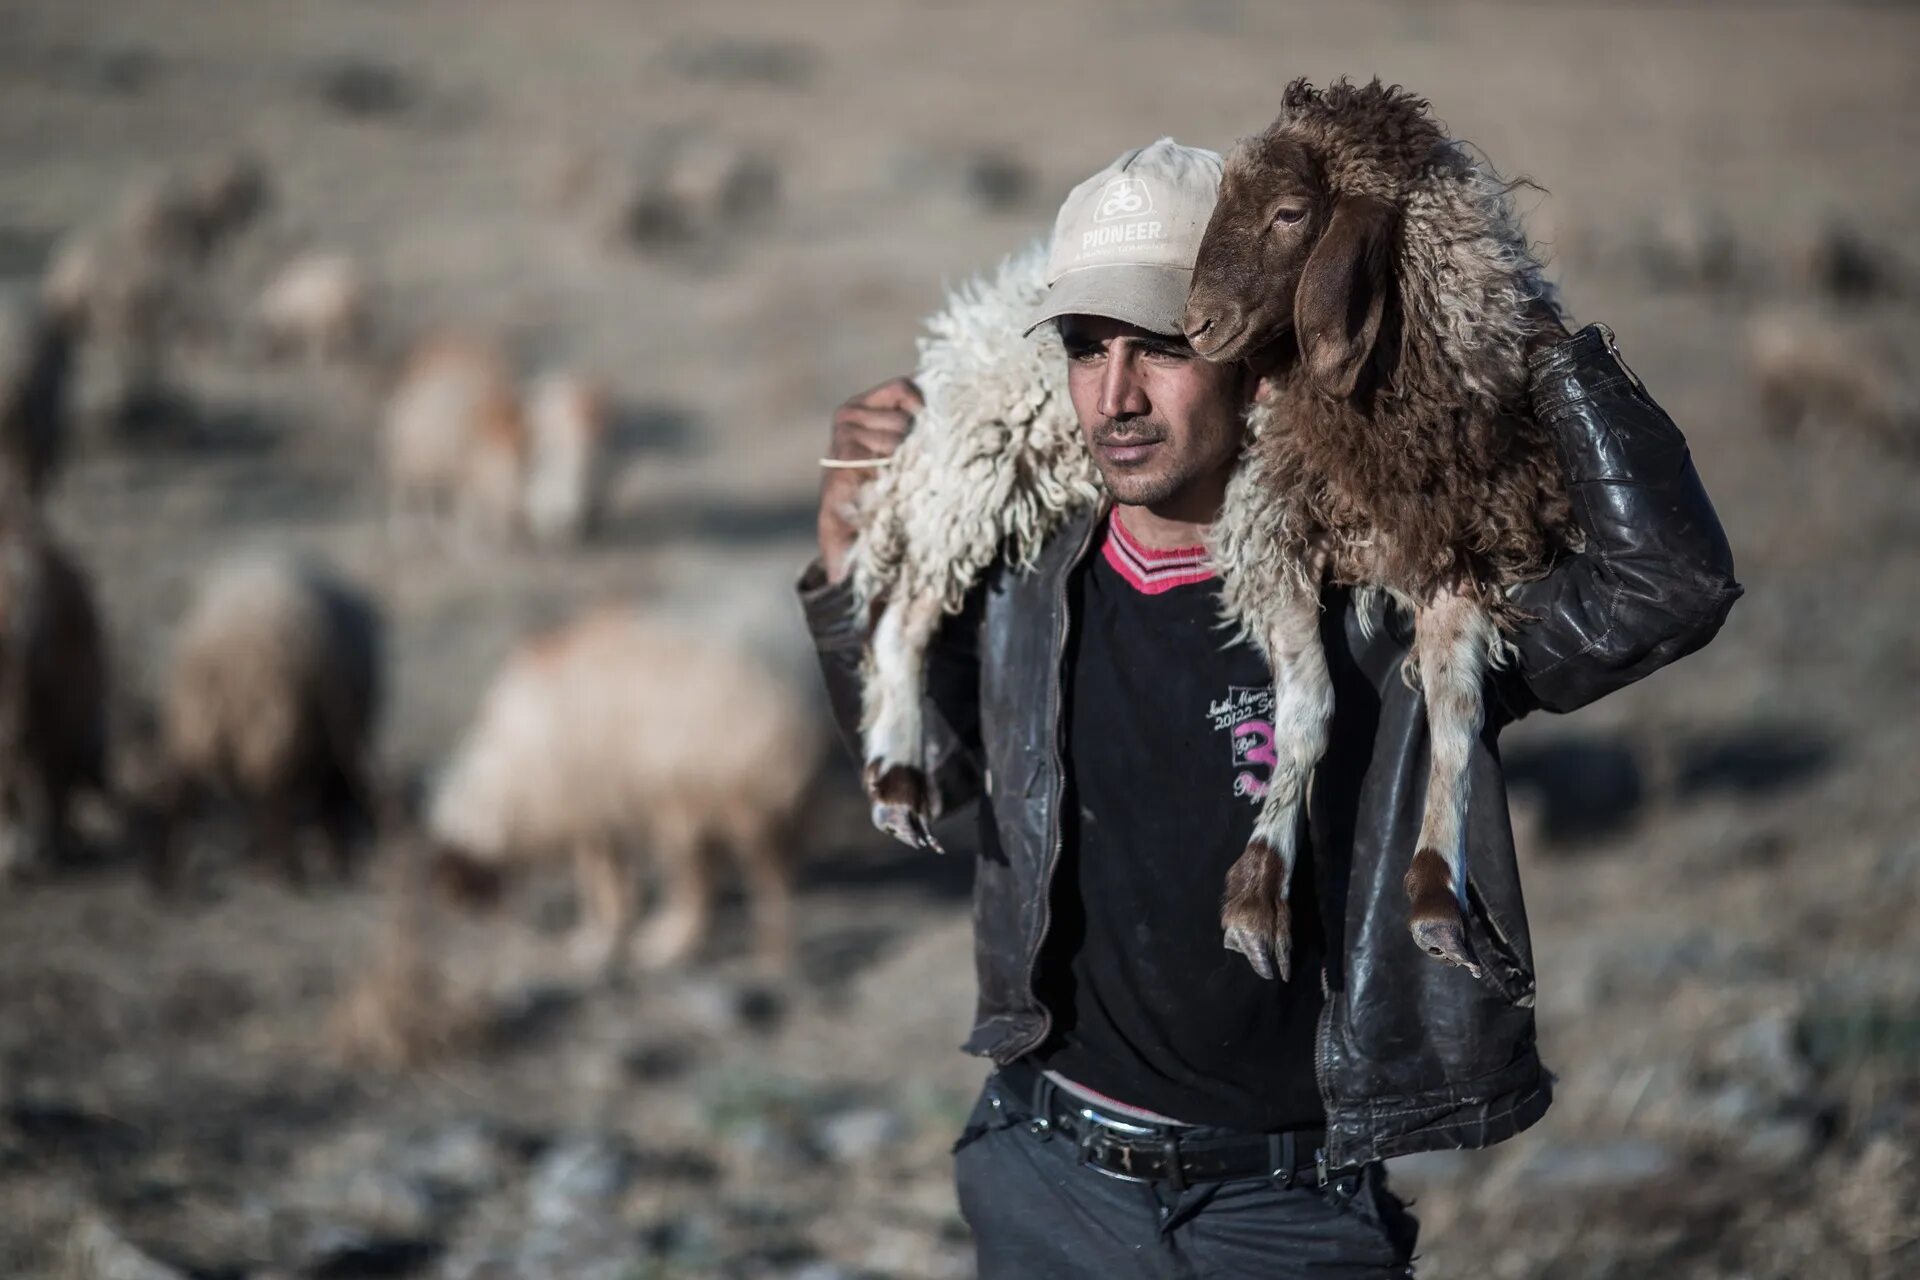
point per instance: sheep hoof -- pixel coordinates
(1267, 953)
(899, 793)
(1438, 927)
(1254, 916)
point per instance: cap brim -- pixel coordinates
(1154, 298)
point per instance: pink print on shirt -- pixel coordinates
(1247, 716)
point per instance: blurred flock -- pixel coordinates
(423, 849)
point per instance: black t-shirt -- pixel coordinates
(1169, 746)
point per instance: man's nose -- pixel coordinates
(1122, 392)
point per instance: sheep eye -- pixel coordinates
(1289, 216)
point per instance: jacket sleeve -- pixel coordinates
(952, 710)
(1655, 579)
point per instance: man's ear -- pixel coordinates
(1343, 293)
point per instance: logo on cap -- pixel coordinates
(1123, 198)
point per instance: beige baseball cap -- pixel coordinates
(1126, 239)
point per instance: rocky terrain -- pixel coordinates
(735, 217)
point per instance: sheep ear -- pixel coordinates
(1343, 293)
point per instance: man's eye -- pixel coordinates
(1084, 354)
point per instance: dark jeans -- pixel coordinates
(1038, 1214)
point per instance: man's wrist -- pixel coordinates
(828, 604)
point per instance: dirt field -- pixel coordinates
(1724, 862)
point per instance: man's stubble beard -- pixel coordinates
(1134, 490)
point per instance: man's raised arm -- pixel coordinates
(867, 429)
(1655, 580)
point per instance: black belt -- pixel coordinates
(1143, 1151)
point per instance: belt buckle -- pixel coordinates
(1096, 1120)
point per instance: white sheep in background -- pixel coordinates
(316, 306)
(615, 731)
(272, 696)
(456, 440)
(53, 689)
(566, 417)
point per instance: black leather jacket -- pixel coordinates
(1413, 1055)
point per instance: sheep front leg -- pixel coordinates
(1453, 639)
(895, 775)
(1253, 911)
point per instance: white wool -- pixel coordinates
(455, 437)
(317, 303)
(566, 422)
(617, 723)
(994, 464)
(994, 460)
(253, 672)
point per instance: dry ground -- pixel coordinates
(1723, 861)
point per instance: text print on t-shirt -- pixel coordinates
(1247, 716)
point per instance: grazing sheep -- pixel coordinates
(1393, 448)
(456, 441)
(129, 278)
(35, 356)
(1813, 367)
(53, 678)
(315, 306)
(567, 427)
(615, 729)
(272, 696)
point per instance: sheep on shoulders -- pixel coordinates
(1392, 449)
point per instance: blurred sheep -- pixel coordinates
(617, 730)
(1812, 367)
(567, 426)
(455, 440)
(127, 279)
(316, 306)
(272, 696)
(53, 689)
(35, 356)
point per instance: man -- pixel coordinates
(1157, 1108)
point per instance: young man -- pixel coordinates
(1157, 1108)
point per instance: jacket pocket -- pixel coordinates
(1502, 970)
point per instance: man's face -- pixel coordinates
(1163, 424)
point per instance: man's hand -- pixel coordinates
(870, 425)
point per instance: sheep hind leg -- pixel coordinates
(763, 863)
(1254, 915)
(684, 917)
(1453, 638)
(606, 893)
(895, 776)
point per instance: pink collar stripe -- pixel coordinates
(1148, 570)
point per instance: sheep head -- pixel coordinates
(1284, 254)
(1303, 240)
